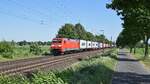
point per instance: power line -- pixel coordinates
(19, 17)
(66, 10)
(23, 17)
(29, 9)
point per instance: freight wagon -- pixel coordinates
(62, 45)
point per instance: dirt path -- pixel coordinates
(129, 70)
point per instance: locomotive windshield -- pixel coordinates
(56, 41)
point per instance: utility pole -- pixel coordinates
(111, 42)
(103, 40)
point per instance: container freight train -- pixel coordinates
(64, 45)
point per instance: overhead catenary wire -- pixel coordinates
(30, 14)
(19, 16)
(27, 13)
(29, 9)
(66, 13)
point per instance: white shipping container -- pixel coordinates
(101, 45)
(82, 44)
(93, 44)
(104, 45)
(96, 44)
(89, 44)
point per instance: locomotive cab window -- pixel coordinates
(56, 41)
(64, 41)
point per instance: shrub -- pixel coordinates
(14, 80)
(6, 49)
(46, 78)
(35, 49)
(38, 78)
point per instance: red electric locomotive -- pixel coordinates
(61, 45)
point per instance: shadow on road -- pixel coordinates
(122, 53)
(124, 59)
(130, 78)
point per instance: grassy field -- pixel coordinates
(140, 54)
(96, 70)
(22, 52)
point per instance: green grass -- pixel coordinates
(23, 52)
(38, 78)
(95, 70)
(140, 54)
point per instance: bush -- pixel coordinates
(14, 80)
(46, 78)
(35, 49)
(38, 78)
(6, 49)
(96, 70)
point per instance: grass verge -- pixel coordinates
(140, 55)
(23, 52)
(96, 70)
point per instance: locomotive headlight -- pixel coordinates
(52, 45)
(59, 45)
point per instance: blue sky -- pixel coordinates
(35, 20)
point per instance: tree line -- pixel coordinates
(135, 15)
(78, 31)
(24, 42)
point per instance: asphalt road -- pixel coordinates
(130, 70)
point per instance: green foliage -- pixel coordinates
(14, 80)
(78, 32)
(135, 15)
(67, 31)
(23, 43)
(6, 49)
(90, 36)
(96, 70)
(39, 78)
(35, 49)
(46, 78)
(126, 38)
(13, 50)
(139, 55)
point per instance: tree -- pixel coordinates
(89, 36)
(100, 38)
(67, 31)
(128, 38)
(136, 16)
(80, 31)
(22, 43)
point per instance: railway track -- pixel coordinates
(42, 63)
